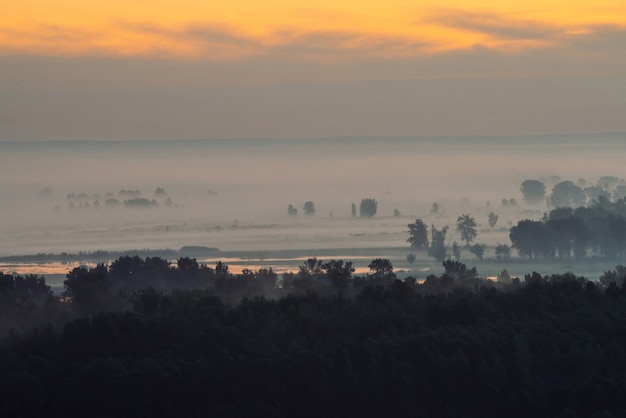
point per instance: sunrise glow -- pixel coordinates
(312, 30)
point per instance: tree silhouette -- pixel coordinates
(458, 271)
(435, 209)
(380, 267)
(478, 250)
(503, 252)
(533, 191)
(368, 208)
(437, 248)
(567, 194)
(492, 218)
(466, 225)
(531, 239)
(338, 272)
(309, 208)
(418, 235)
(89, 289)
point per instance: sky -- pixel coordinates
(148, 69)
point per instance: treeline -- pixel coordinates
(105, 255)
(453, 346)
(125, 198)
(574, 233)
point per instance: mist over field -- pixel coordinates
(234, 194)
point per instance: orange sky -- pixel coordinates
(164, 69)
(321, 29)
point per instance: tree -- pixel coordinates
(532, 239)
(221, 269)
(608, 183)
(155, 269)
(492, 218)
(568, 234)
(567, 194)
(435, 209)
(533, 191)
(437, 248)
(353, 210)
(595, 193)
(89, 289)
(478, 250)
(458, 271)
(187, 265)
(456, 250)
(396, 213)
(418, 235)
(617, 276)
(338, 272)
(291, 211)
(309, 208)
(381, 267)
(503, 252)
(311, 268)
(410, 258)
(504, 276)
(127, 272)
(368, 208)
(466, 225)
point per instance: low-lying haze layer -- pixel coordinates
(234, 194)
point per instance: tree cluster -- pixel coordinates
(574, 233)
(566, 193)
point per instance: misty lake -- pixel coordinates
(233, 194)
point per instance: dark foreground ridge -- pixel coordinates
(205, 342)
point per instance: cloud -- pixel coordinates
(598, 39)
(45, 39)
(440, 32)
(500, 26)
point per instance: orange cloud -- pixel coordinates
(321, 30)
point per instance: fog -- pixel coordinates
(234, 194)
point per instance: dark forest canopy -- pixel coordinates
(334, 345)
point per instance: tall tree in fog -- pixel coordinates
(567, 194)
(368, 208)
(353, 210)
(309, 208)
(533, 191)
(478, 250)
(418, 235)
(466, 225)
(532, 239)
(437, 248)
(608, 183)
(435, 209)
(492, 218)
(291, 210)
(503, 252)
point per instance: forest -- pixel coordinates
(143, 338)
